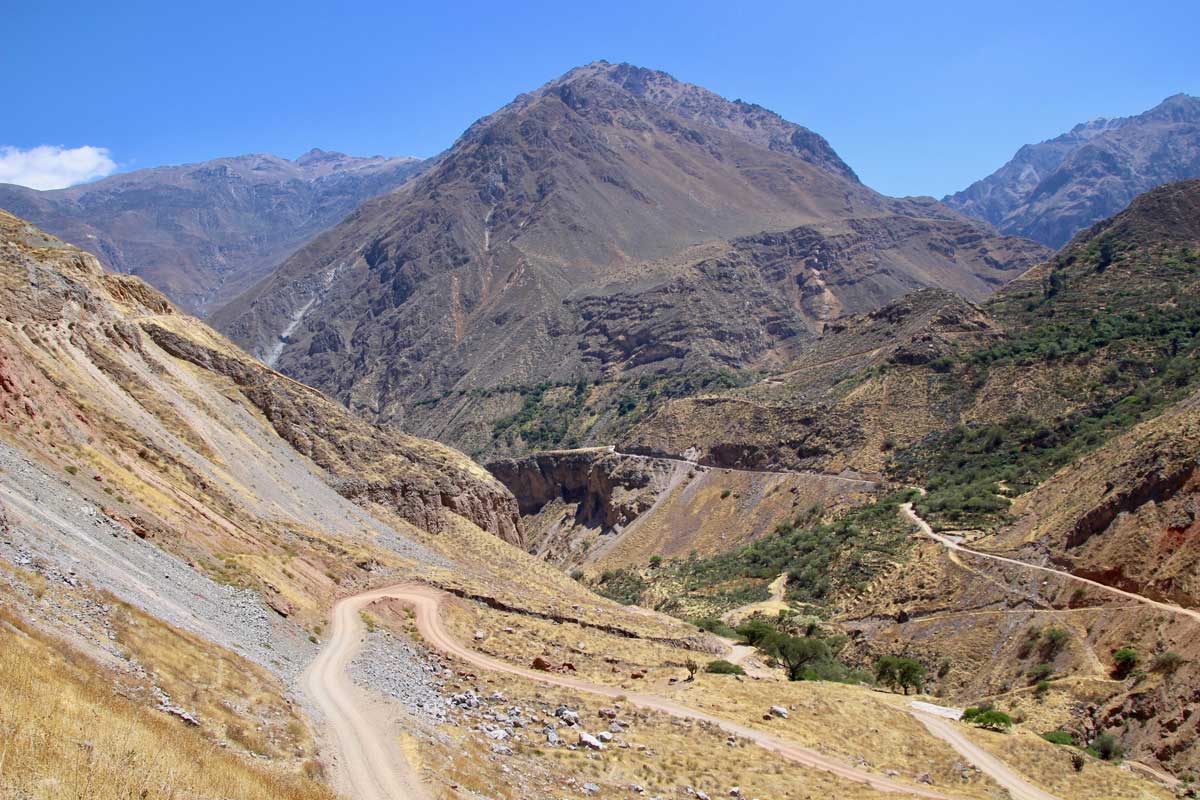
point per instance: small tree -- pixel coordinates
(1107, 747)
(691, 666)
(755, 631)
(900, 672)
(656, 561)
(1167, 662)
(911, 674)
(887, 671)
(1053, 641)
(1077, 761)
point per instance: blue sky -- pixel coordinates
(918, 98)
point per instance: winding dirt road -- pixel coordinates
(370, 767)
(946, 541)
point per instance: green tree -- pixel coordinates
(900, 672)
(911, 674)
(754, 631)
(797, 653)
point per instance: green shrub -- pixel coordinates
(1106, 747)
(71, 469)
(1039, 672)
(722, 667)
(656, 561)
(1059, 737)
(993, 720)
(1041, 689)
(972, 712)
(714, 625)
(1053, 641)
(1167, 662)
(1124, 660)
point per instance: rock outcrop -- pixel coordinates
(48, 288)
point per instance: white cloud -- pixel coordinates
(52, 167)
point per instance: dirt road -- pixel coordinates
(946, 541)
(371, 768)
(1018, 788)
(370, 765)
(774, 605)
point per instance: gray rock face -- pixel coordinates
(1051, 190)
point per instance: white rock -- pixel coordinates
(589, 741)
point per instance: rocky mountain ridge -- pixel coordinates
(204, 232)
(1051, 190)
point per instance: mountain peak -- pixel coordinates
(317, 155)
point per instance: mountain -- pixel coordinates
(202, 233)
(1051, 190)
(219, 575)
(613, 223)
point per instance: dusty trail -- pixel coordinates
(868, 485)
(774, 605)
(955, 547)
(372, 770)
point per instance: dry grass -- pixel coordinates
(1049, 765)
(223, 690)
(65, 733)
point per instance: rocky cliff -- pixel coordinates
(51, 290)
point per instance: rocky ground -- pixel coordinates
(55, 532)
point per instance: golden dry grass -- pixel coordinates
(65, 733)
(223, 690)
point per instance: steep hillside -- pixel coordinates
(177, 520)
(612, 224)
(1086, 343)
(1051, 190)
(203, 233)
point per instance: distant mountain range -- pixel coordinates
(204, 232)
(613, 222)
(1050, 191)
